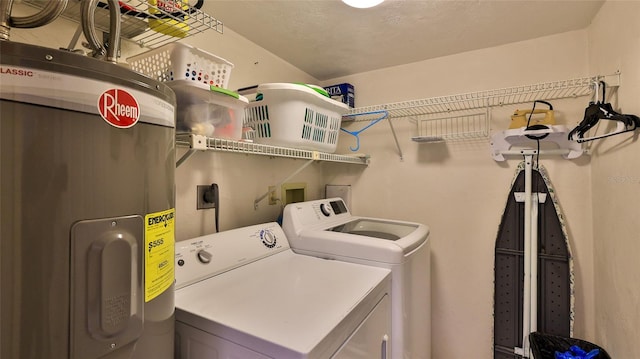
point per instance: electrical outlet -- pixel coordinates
(207, 196)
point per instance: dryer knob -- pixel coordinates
(268, 238)
(204, 256)
(324, 208)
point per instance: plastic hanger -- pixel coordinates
(599, 110)
(356, 134)
(591, 117)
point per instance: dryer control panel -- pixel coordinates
(206, 256)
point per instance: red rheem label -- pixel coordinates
(119, 108)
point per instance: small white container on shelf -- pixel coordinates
(177, 61)
(209, 112)
(295, 115)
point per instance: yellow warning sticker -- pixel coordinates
(159, 238)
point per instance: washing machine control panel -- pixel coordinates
(338, 207)
(301, 215)
(332, 207)
(206, 256)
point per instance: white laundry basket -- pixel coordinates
(295, 115)
(177, 61)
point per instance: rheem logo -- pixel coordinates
(119, 108)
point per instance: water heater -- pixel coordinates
(87, 161)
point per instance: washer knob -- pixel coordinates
(324, 208)
(204, 256)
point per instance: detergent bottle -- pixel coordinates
(169, 17)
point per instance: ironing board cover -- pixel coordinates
(555, 268)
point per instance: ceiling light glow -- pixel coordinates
(362, 4)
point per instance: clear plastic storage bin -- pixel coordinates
(208, 112)
(296, 116)
(177, 61)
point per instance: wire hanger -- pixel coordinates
(599, 110)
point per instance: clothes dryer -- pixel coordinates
(326, 229)
(245, 294)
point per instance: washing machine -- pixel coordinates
(245, 294)
(325, 228)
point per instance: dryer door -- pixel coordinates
(372, 338)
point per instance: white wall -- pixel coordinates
(614, 44)
(460, 191)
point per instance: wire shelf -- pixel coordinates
(145, 23)
(483, 99)
(224, 145)
(451, 128)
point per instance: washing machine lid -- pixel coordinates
(326, 228)
(372, 239)
(285, 305)
(376, 228)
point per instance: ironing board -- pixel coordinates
(543, 303)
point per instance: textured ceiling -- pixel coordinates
(329, 39)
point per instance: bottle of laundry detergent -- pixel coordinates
(169, 17)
